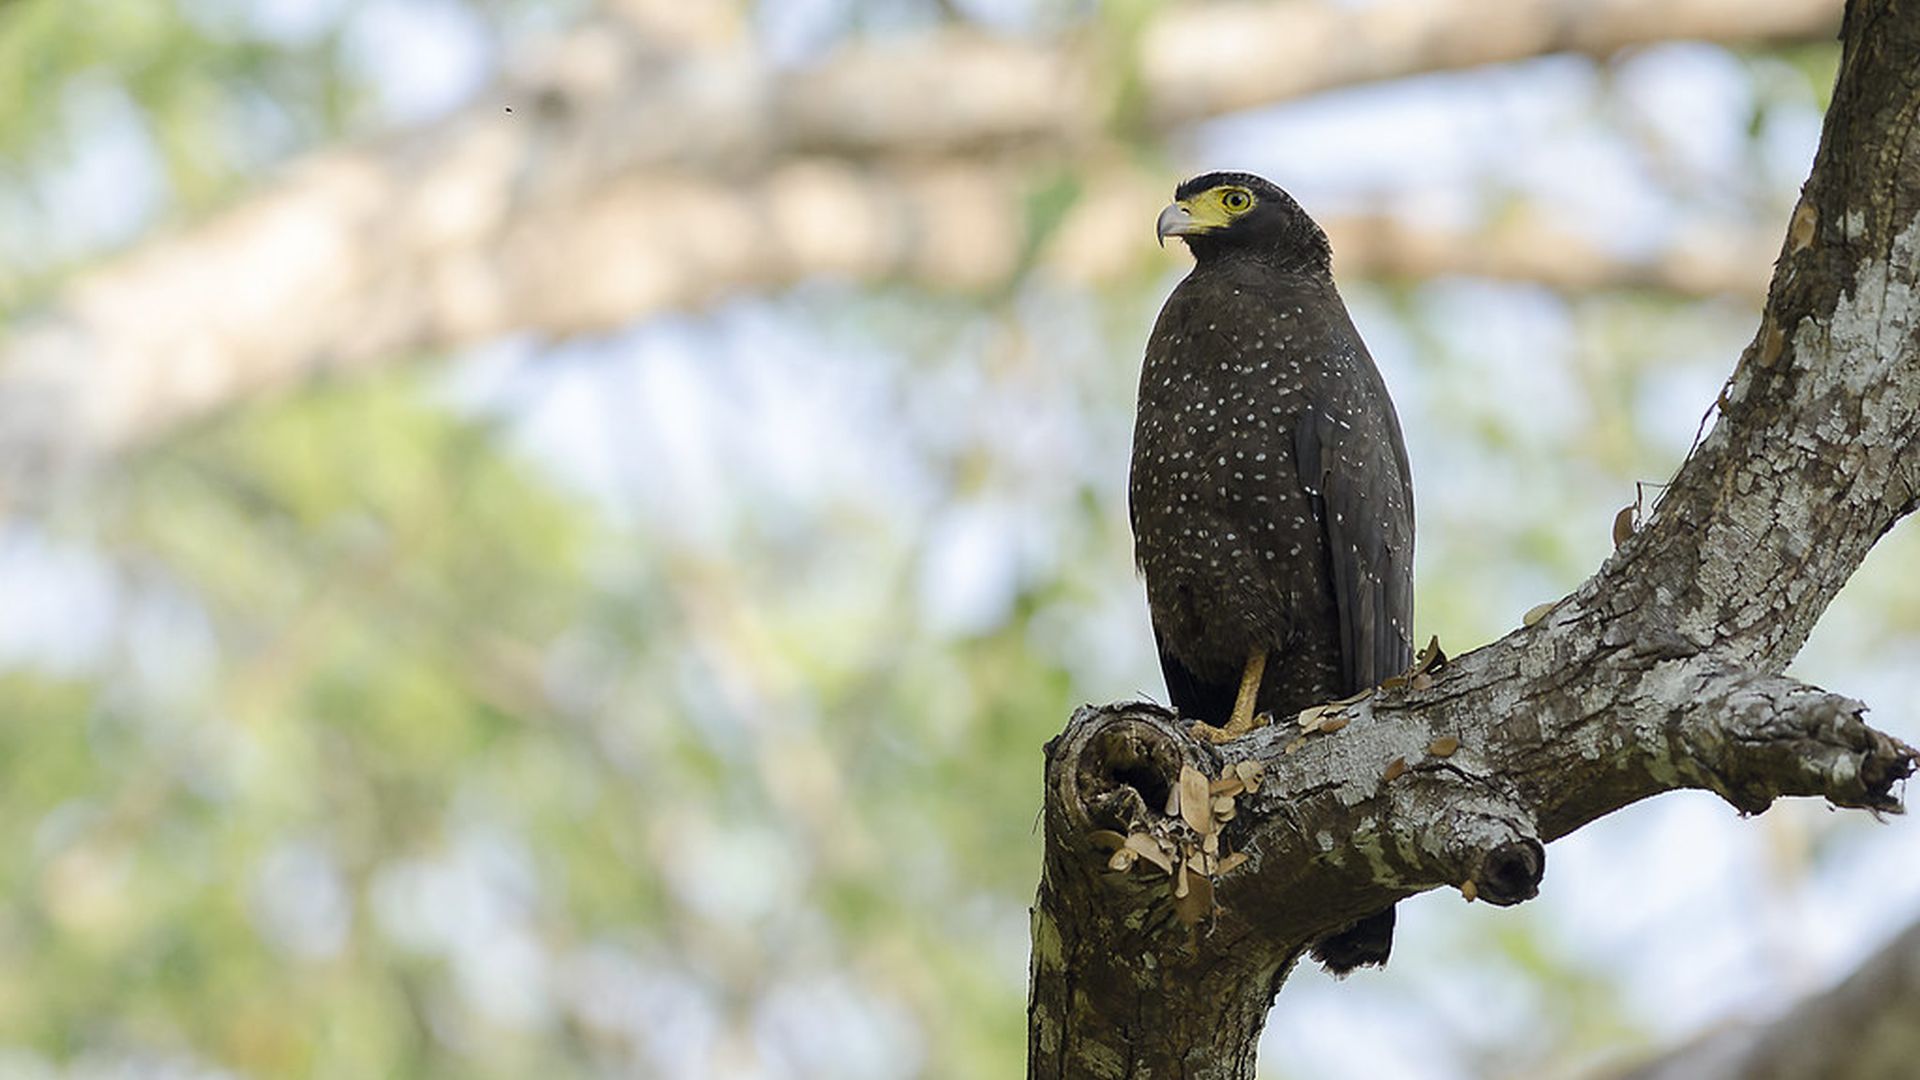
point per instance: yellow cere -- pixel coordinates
(1215, 207)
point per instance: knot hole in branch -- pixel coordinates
(1127, 770)
(1511, 872)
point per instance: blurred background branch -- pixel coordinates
(1860, 1029)
(645, 174)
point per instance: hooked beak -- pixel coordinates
(1176, 220)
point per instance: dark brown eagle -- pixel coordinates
(1270, 497)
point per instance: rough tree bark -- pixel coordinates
(570, 214)
(1662, 671)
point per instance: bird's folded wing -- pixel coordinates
(1359, 489)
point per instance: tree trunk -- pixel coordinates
(1182, 881)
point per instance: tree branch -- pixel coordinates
(1662, 671)
(573, 212)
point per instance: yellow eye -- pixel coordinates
(1236, 200)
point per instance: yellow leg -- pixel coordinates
(1242, 720)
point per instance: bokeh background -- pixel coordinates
(655, 686)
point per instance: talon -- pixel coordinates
(1206, 732)
(1243, 719)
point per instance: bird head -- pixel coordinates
(1228, 212)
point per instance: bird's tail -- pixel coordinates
(1367, 941)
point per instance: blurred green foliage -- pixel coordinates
(208, 95)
